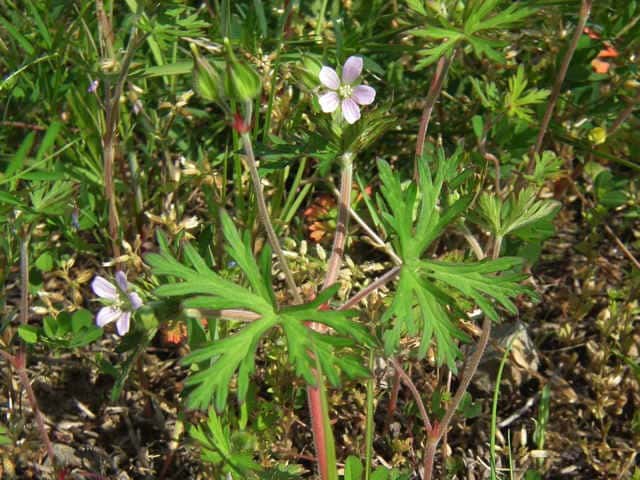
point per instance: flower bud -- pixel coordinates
(206, 79)
(597, 135)
(242, 83)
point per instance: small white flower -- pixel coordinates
(343, 93)
(121, 303)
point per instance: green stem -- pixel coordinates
(494, 413)
(370, 428)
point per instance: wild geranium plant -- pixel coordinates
(324, 338)
(424, 141)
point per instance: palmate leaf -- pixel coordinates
(477, 28)
(478, 281)
(418, 312)
(219, 362)
(234, 355)
(517, 100)
(431, 295)
(510, 216)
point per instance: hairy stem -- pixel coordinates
(432, 96)
(112, 114)
(33, 401)
(468, 372)
(316, 395)
(585, 9)
(373, 286)
(318, 406)
(393, 399)
(379, 242)
(414, 391)
(265, 219)
(340, 238)
(20, 360)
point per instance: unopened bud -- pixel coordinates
(242, 83)
(206, 80)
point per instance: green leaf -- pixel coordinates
(44, 262)
(18, 159)
(17, 36)
(171, 69)
(417, 6)
(517, 101)
(353, 469)
(48, 140)
(241, 253)
(29, 333)
(5, 438)
(216, 363)
(431, 295)
(81, 319)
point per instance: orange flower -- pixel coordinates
(598, 64)
(593, 35)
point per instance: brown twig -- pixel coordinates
(622, 246)
(19, 361)
(366, 291)
(27, 126)
(432, 96)
(585, 9)
(414, 391)
(624, 115)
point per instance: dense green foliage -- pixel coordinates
(191, 146)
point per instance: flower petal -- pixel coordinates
(350, 111)
(352, 69)
(329, 78)
(121, 281)
(329, 102)
(363, 95)
(136, 301)
(123, 323)
(107, 315)
(104, 288)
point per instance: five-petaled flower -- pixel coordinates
(120, 303)
(343, 93)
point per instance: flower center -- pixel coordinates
(345, 91)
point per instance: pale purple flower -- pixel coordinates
(344, 93)
(120, 303)
(93, 86)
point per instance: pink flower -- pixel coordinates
(343, 93)
(120, 303)
(93, 86)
